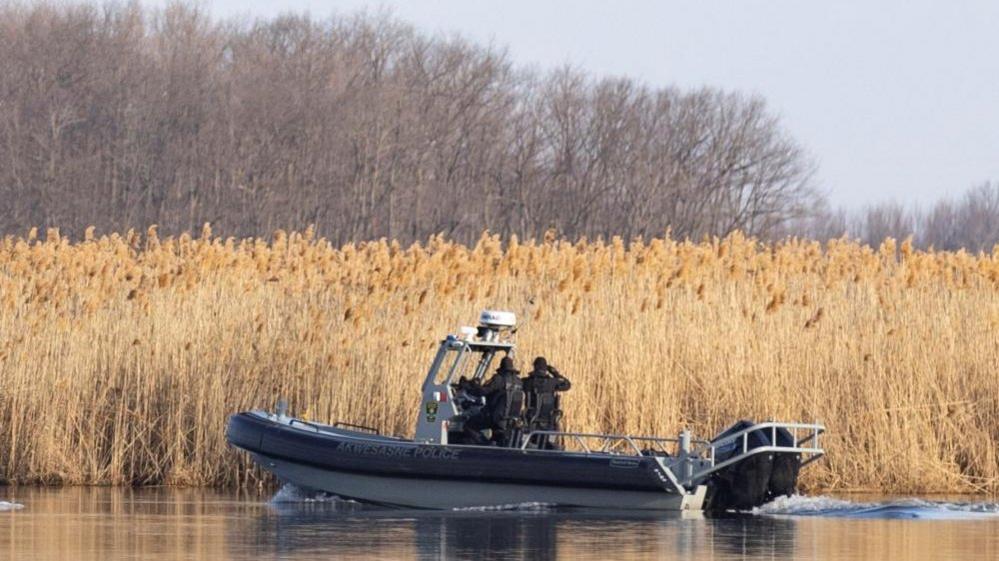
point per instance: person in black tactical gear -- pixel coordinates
(504, 408)
(504, 394)
(542, 386)
(475, 422)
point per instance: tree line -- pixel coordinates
(968, 221)
(118, 117)
(121, 117)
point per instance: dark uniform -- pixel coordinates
(543, 404)
(504, 408)
(475, 421)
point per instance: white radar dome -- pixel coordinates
(498, 319)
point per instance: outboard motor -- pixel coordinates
(784, 473)
(758, 478)
(744, 484)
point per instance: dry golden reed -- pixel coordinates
(121, 356)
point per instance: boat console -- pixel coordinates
(469, 357)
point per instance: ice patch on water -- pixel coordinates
(892, 509)
(291, 493)
(526, 507)
(4, 505)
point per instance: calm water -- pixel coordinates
(151, 524)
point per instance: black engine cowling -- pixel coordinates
(756, 479)
(784, 474)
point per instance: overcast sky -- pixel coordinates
(894, 99)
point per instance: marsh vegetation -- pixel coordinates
(122, 355)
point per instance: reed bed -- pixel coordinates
(122, 355)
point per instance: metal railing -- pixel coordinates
(319, 427)
(364, 428)
(605, 443)
(698, 461)
(709, 450)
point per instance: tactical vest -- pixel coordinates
(510, 403)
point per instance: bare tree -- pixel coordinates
(969, 222)
(121, 117)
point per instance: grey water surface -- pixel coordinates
(161, 523)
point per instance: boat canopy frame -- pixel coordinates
(464, 348)
(438, 406)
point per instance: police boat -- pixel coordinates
(473, 448)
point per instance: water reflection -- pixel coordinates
(92, 524)
(303, 530)
(753, 537)
(511, 537)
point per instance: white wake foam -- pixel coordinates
(891, 509)
(526, 507)
(290, 493)
(4, 505)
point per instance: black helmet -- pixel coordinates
(506, 365)
(540, 364)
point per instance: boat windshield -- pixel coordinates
(470, 362)
(453, 362)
